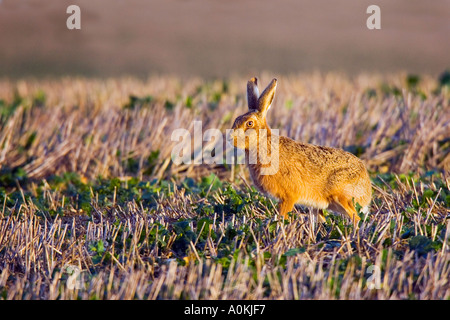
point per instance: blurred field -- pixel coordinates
(219, 39)
(86, 181)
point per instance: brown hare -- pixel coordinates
(310, 175)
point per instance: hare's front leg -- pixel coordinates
(321, 216)
(285, 206)
(343, 205)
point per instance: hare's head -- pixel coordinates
(246, 128)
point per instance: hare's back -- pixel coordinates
(329, 163)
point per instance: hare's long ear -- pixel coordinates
(252, 93)
(266, 98)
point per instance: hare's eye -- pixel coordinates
(250, 124)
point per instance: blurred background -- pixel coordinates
(213, 38)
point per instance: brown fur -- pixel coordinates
(315, 176)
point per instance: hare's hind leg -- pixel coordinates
(345, 206)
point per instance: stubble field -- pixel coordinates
(92, 207)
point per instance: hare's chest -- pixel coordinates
(256, 178)
(267, 184)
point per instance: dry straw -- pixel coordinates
(110, 128)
